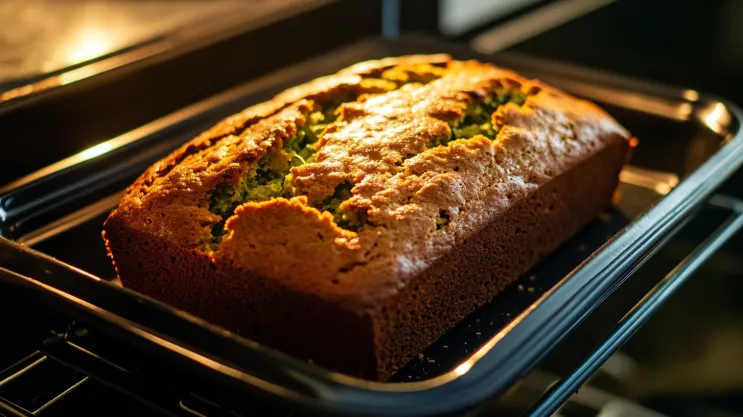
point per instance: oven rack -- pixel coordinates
(70, 359)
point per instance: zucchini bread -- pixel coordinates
(353, 219)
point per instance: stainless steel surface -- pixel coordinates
(40, 37)
(541, 20)
(459, 16)
(46, 45)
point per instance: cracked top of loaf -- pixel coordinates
(348, 185)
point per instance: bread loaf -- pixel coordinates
(354, 219)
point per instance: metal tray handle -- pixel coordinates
(644, 309)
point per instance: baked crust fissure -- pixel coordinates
(271, 177)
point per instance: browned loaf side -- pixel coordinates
(354, 219)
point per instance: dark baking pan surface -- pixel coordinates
(689, 143)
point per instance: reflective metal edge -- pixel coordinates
(640, 313)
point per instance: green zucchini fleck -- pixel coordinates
(477, 119)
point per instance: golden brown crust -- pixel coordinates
(377, 66)
(383, 145)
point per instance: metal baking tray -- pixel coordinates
(689, 144)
